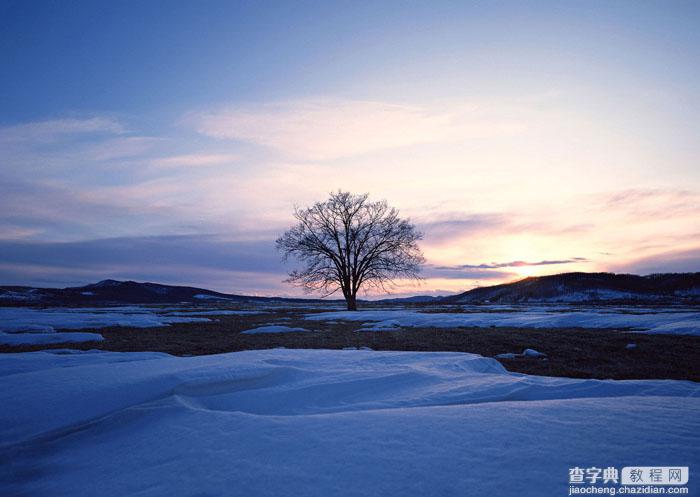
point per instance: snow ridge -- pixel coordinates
(320, 422)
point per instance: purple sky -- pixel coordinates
(170, 141)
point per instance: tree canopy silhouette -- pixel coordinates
(347, 243)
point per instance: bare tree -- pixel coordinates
(347, 243)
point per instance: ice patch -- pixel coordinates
(14, 318)
(532, 353)
(388, 325)
(203, 296)
(34, 338)
(273, 328)
(29, 326)
(26, 328)
(223, 312)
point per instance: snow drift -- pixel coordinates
(319, 423)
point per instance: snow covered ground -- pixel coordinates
(273, 328)
(223, 312)
(665, 321)
(23, 325)
(321, 423)
(47, 337)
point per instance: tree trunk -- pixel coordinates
(352, 303)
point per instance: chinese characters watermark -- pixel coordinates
(629, 480)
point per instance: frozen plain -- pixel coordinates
(318, 423)
(34, 326)
(682, 321)
(20, 325)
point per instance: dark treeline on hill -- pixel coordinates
(567, 287)
(589, 287)
(119, 292)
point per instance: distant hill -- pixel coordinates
(588, 287)
(567, 287)
(114, 292)
(118, 292)
(417, 299)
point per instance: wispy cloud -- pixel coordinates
(119, 148)
(465, 273)
(501, 265)
(328, 128)
(58, 210)
(180, 259)
(15, 232)
(54, 129)
(194, 160)
(675, 261)
(656, 203)
(454, 226)
(86, 179)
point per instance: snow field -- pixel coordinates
(318, 423)
(675, 323)
(32, 326)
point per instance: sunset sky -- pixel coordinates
(169, 141)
